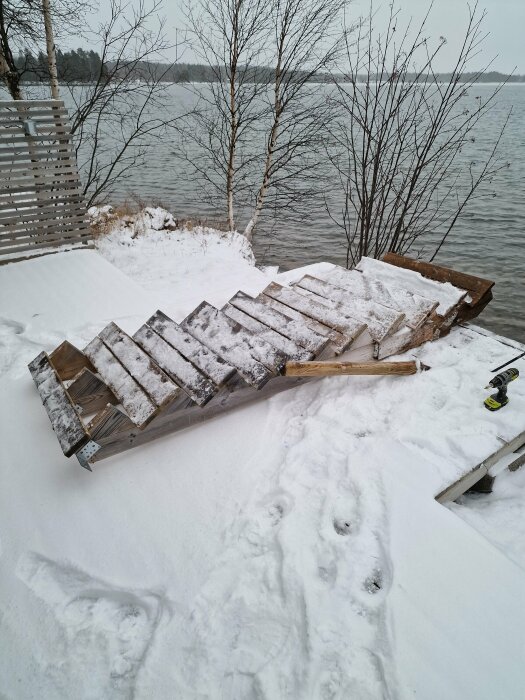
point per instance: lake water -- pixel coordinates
(489, 240)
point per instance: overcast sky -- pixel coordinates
(505, 23)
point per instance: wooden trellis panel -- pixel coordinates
(41, 201)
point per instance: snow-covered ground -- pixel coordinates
(289, 549)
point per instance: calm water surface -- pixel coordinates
(488, 241)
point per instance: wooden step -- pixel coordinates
(448, 297)
(200, 355)
(64, 418)
(255, 359)
(337, 342)
(156, 383)
(180, 370)
(286, 346)
(380, 320)
(416, 308)
(139, 407)
(327, 315)
(296, 329)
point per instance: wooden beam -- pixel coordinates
(329, 369)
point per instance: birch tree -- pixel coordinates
(402, 149)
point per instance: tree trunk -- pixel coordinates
(50, 49)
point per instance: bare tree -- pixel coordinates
(230, 37)
(400, 149)
(121, 113)
(22, 24)
(50, 50)
(258, 129)
(307, 42)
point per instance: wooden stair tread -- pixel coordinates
(380, 320)
(255, 359)
(447, 296)
(180, 370)
(327, 315)
(296, 329)
(200, 355)
(415, 307)
(139, 407)
(156, 383)
(280, 342)
(64, 418)
(339, 342)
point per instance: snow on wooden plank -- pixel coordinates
(339, 342)
(280, 342)
(327, 315)
(380, 320)
(64, 418)
(444, 293)
(236, 345)
(415, 307)
(207, 361)
(294, 328)
(136, 402)
(156, 383)
(181, 371)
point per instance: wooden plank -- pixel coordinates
(448, 297)
(338, 342)
(137, 404)
(380, 320)
(234, 344)
(416, 308)
(207, 361)
(476, 286)
(7, 162)
(286, 346)
(36, 228)
(38, 236)
(332, 368)
(170, 422)
(329, 316)
(156, 383)
(28, 180)
(36, 245)
(37, 184)
(11, 105)
(90, 393)
(45, 214)
(296, 329)
(10, 140)
(51, 160)
(68, 361)
(32, 168)
(32, 205)
(458, 488)
(64, 418)
(181, 371)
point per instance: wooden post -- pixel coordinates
(327, 369)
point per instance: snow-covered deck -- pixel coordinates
(292, 548)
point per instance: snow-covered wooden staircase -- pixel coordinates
(121, 391)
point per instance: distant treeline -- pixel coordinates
(84, 66)
(72, 66)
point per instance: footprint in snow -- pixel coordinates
(97, 626)
(346, 516)
(275, 506)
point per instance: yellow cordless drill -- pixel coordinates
(500, 382)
